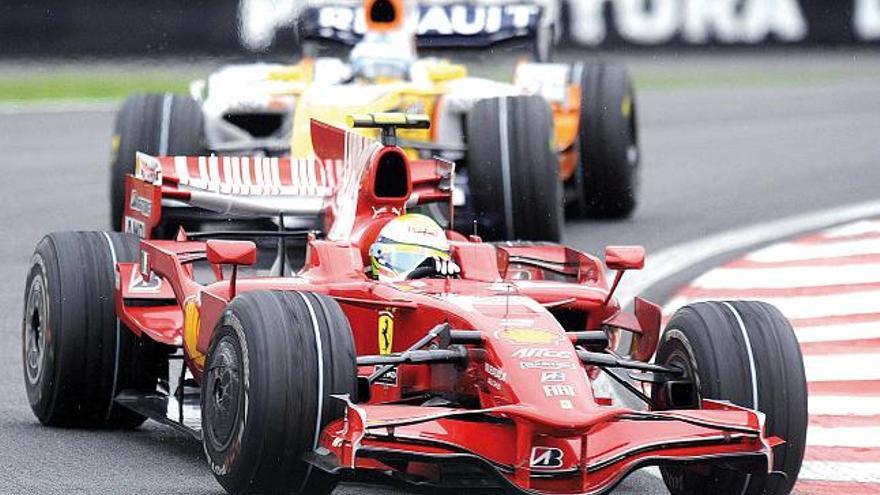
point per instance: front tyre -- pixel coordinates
(608, 173)
(745, 352)
(274, 361)
(513, 170)
(76, 353)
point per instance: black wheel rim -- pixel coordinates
(681, 357)
(35, 329)
(224, 393)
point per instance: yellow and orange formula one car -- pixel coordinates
(559, 138)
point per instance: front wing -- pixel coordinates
(440, 446)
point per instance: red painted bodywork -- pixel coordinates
(221, 252)
(625, 257)
(502, 291)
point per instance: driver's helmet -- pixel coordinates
(382, 57)
(409, 242)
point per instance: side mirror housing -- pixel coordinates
(625, 257)
(236, 253)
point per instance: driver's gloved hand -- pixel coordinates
(447, 268)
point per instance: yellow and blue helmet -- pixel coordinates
(405, 244)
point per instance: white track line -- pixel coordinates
(842, 405)
(788, 277)
(842, 367)
(860, 472)
(837, 333)
(793, 251)
(855, 228)
(862, 437)
(667, 262)
(796, 307)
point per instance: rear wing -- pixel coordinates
(435, 23)
(337, 182)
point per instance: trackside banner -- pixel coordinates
(723, 22)
(54, 28)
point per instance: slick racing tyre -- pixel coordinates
(744, 352)
(274, 361)
(608, 172)
(156, 124)
(76, 354)
(513, 170)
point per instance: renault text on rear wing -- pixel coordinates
(440, 26)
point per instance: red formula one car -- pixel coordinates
(477, 374)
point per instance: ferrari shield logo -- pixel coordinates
(386, 332)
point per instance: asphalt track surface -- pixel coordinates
(715, 158)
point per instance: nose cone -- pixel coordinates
(544, 370)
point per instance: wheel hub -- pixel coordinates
(223, 394)
(35, 331)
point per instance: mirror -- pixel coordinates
(625, 257)
(231, 252)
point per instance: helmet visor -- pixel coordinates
(397, 261)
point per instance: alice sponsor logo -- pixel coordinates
(541, 352)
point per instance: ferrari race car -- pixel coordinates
(481, 376)
(513, 142)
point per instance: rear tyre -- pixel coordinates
(513, 170)
(156, 124)
(744, 352)
(274, 361)
(608, 143)
(76, 354)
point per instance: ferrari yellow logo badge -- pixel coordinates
(528, 336)
(386, 332)
(191, 319)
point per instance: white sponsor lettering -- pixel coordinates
(552, 377)
(435, 21)
(140, 204)
(546, 365)
(695, 21)
(545, 458)
(259, 20)
(866, 20)
(494, 372)
(136, 227)
(388, 379)
(559, 390)
(541, 352)
(565, 404)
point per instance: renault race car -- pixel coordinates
(482, 377)
(573, 124)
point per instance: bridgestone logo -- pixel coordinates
(546, 458)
